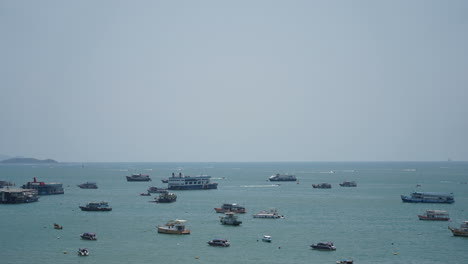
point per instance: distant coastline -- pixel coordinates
(27, 161)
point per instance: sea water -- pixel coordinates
(368, 223)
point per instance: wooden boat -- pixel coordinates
(461, 231)
(435, 215)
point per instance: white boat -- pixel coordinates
(83, 252)
(435, 215)
(175, 227)
(229, 218)
(182, 182)
(271, 213)
(282, 177)
(266, 239)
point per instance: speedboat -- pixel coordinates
(57, 226)
(266, 239)
(83, 252)
(176, 227)
(324, 246)
(88, 236)
(219, 243)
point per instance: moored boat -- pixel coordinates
(57, 226)
(323, 246)
(44, 188)
(18, 195)
(345, 261)
(271, 213)
(154, 189)
(461, 231)
(229, 218)
(266, 239)
(166, 197)
(88, 236)
(138, 177)
(428, 197)
(348, 184)
(282, 177)
(96, 206)
(228, 207)
(182, 182)
(322, 186)
(435, 215)
(88, 185)
(175, 227)
(219, 243)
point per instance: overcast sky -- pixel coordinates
(234, 80)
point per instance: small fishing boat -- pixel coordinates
(266, 239)
(230, 207)
(323, 246)
(145, 194)
(57, 226)
(96, 206)
(219, 243)
(348, 184)
(88, 236)
(83, 252)
(229, 219)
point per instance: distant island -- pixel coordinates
(27, 161)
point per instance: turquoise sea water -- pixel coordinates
(368, 223)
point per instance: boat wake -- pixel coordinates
(260, 186)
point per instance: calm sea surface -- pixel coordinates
(368, 223)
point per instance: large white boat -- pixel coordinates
(175, 227)
(271, 213)
(282, 177)
(227, 207)
(181, 182)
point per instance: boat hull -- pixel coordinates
(163, 230)
(83, 208)
(193, 187)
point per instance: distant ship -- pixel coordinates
(227, 207)
(181, 182)
(138, 177)
(428, 197)
(348, 184)
(96, 206)
(282, 177)
(44, 188)
(322, 186)
(88, 185)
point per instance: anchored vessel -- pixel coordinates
(219, 243)
(271, 213)
(348, 184)
(428, 197)
(96, 206)
(282, 177)
(88, 236)
(175, 227)
(323, 246)
(235, 208)
(345, 261)
(322, 186)
(181, 182)
(44, 188)
(435, 215)
(17, 195)
(88, 185)
(166, 197)
(461, 231)
(138, 177)
(229, 218)
(156, 190)
(266, 239)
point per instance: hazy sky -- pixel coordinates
(234, 80)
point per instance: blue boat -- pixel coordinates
(428, 197)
